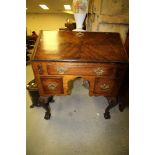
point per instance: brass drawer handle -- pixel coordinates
(104, 87)
(52, 86)
(79, 34)
(99, 71)
(61, 70)
(40, 69)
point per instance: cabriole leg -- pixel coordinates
(44, 101)
(112, 101)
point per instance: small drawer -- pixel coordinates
(106, 70)
(52, 85)
(106, 87)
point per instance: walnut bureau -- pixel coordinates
(60, 57)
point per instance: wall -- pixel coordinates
(36, 22)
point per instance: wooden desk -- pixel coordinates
(60, 57)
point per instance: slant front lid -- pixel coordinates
(79, 47)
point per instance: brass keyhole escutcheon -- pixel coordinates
(79, 34)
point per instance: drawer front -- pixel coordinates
(106, 70)
(52, 85)
(106, 87)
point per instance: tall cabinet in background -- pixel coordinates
(109, 16)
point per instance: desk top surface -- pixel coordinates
(79, 47)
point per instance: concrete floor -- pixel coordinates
(77, 126)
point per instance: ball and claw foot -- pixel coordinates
(107, 115)
(47, 115)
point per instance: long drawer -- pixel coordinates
(89, 69)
